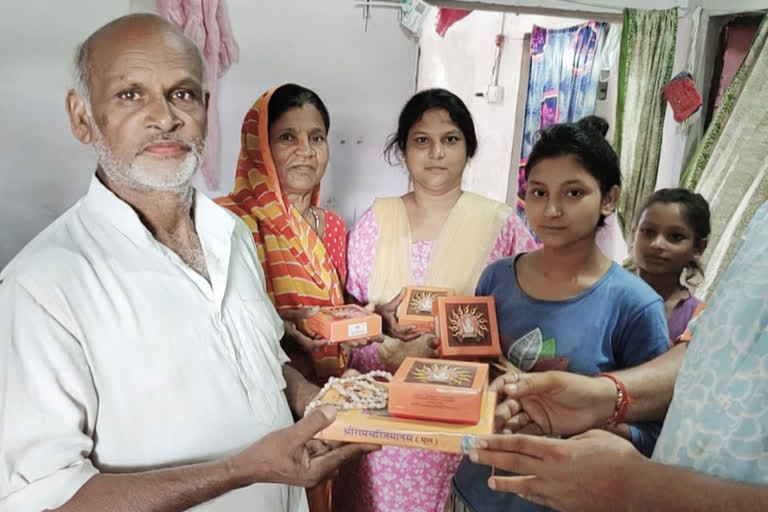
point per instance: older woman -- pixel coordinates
(302, 247)
(436, 235)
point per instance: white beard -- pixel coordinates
(136, 175)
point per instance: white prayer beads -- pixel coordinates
(355, 392)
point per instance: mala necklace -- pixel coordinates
(355, 392)
(317, 219)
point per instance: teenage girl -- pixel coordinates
(566, 306)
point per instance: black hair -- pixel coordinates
(585, 141)
(290, 96)
(595, 123)
(427, 100)
(695, 213)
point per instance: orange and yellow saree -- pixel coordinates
(299, 268)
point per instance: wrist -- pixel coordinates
(309, 393)
(605, 400)
(623, 400)
(639, 481)
(242, 472)
(289, 328)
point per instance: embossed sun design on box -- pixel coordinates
(421, 302)
(469, 323)
(347, 312)
(438, 390)
(442, 373)
(417, 308)
(467, 327)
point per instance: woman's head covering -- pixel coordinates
(299, 270)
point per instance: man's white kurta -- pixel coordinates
(115, 356)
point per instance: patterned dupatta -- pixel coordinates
(298, 268)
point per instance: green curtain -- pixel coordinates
(703, 152)
(647, 56)
(730, 165)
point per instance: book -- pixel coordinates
(379, 427)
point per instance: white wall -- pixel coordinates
(43, 169)
(462, 63)
(363, 77)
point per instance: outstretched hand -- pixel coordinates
(553, 402)
(392, 327)
(392, 352)
(292, 319)
(361, 342)
(291, 456)
(509, 417)
(586, 472)
(310, 341)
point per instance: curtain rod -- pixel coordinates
(525, 8)
(377, 3)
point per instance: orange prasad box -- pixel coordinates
(467, 327)
(379, 427)
(416, 308)
(438, 390)
(343, 323)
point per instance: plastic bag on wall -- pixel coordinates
(682, 95)
(414, 14)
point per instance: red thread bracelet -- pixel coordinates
(623, 400)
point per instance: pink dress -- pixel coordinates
(402, 479)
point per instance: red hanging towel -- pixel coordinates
(447, 17)
(682, 95)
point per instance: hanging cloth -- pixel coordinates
(647, 57)
(447, 17)
(729, 167)
(207, 24)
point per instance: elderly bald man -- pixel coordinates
(139, 353)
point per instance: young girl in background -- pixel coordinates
(670, 238)
(566, 306)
